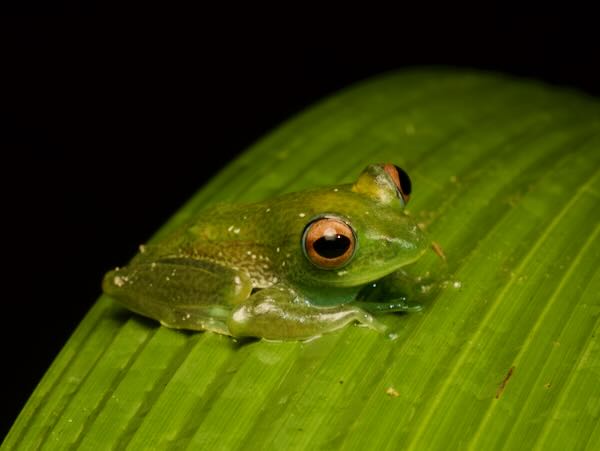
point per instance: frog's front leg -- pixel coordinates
(281, 313)
(397, 292)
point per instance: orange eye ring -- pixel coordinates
(401, 180)
(328, 242)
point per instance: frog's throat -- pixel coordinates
(347, 278)
(329, 296)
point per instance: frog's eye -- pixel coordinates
(401, 180)
(328, 242)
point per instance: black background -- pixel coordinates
(107, 127)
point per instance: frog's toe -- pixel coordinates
(412, 308)
(367, 320)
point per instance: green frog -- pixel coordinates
(289, 268)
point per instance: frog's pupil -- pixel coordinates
(405, 183)
(332, 246)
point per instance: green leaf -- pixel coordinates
(506, 356)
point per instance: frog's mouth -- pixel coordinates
(343, 285)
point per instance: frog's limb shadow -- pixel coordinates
(121, 314)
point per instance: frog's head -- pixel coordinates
(359, 233)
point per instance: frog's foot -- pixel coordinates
(277, 313)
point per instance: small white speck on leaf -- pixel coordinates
(392, 392)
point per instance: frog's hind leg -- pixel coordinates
(181, 293)
(280, 313)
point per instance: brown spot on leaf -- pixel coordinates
(438, 250)
(504, 382)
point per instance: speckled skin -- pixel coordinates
(204, 274)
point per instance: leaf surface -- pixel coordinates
(507, 356)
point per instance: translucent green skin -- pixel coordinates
(241, 270)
